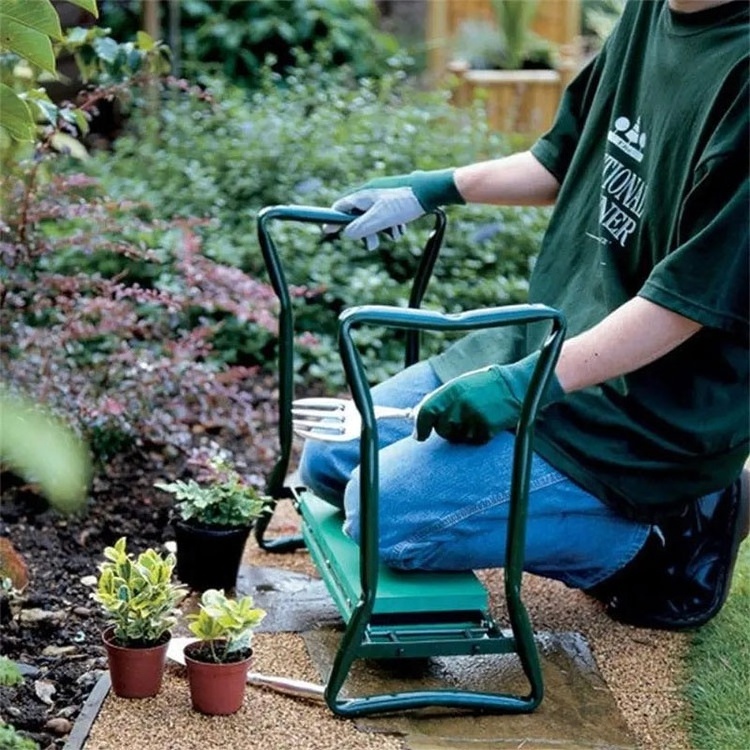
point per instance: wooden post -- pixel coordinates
(151, 21)
(437, 38)
(152, 26)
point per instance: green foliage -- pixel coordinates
(234, 38)
(44, 450)
(10, 739)
(10, 674)
(28, 30)
(226, 625)
(718, 666)
(514, 18)
(101, 59)
(227, 501)
(137, 594)
(225, 160)
(30, 122)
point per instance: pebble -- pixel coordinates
(83, 611)
(59, 725)
(89, 580)
(90, 678)
(44, 690)
(58, 650)
(27, 670)
(36, 616)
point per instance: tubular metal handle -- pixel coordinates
(316, 215)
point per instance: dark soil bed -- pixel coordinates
(53, 629)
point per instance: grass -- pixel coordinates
(718, 686)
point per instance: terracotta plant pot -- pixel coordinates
(209, 558)
(215, 689)
(135, 672)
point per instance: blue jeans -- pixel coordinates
(444, 506)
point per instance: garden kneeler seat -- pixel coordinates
(398, 614)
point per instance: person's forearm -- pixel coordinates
(629, 338)
(517, 180)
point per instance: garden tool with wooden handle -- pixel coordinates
(286, 685)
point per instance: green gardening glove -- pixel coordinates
(389, 203)
(478, 405)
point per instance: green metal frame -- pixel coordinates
(372, 629)
(275, 486)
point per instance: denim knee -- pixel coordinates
(395, 528)
(317, 471)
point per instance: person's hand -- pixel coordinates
(476, 406)
(387, 204)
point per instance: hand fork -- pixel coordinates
(336, 420)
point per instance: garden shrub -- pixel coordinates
(105, 315)
(234, 38)
(305, 143)
(128, 362)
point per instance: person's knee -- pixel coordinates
(393, 528)
(317, 471)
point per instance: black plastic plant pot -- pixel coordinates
(209, 558)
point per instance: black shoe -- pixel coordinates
(681, 577)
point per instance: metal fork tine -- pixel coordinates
(323, 425)
(321, 402)
(317, 413)
(328, 437)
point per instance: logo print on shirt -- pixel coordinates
(631, 139)
(623, 195)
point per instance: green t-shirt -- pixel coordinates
(650, 146)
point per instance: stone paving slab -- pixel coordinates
(578, 710)
(294, 602)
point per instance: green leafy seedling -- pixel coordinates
(226, 625)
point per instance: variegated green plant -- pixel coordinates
(226, 501)
(227, 625)
(137, 594)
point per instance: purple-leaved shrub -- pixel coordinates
(109, 319)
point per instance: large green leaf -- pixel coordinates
(89, 5)
(29, 43)
(43, 450)
(15, 116)
(38, 15)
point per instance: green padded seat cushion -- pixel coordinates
(398, 592)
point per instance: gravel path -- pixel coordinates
(641, 667)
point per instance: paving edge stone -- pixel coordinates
(90, 710)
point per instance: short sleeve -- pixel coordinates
(555, 149)
(706, 277)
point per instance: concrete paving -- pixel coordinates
(578, 710)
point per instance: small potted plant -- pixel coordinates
(212, 521)
(140, 602)
(218, 662)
